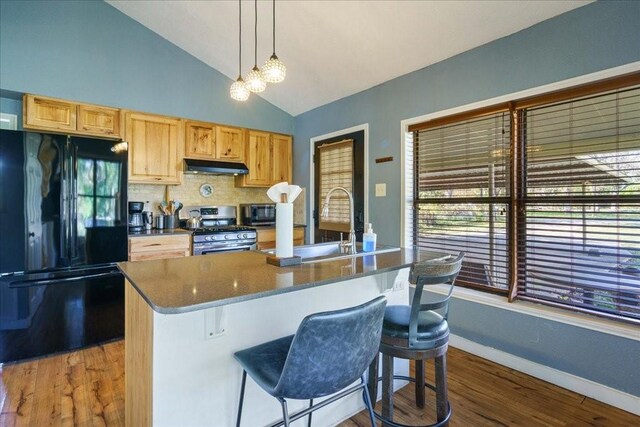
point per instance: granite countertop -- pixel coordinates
(193, 283)
(163, 232)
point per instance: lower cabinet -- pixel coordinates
(267, 237)
(158, 247)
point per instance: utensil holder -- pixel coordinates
(171, 221)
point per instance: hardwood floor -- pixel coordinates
(86, 388)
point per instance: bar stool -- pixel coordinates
(330, 351)
(418, 332)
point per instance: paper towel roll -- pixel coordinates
(284, 230)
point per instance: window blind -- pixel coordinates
(336, 170)
(581, 236)
(461, 200)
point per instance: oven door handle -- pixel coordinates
(201, 251)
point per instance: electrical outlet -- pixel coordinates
(381, 190)
(214, 323)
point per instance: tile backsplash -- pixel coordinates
(224, 193)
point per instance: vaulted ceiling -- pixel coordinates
(333, 49)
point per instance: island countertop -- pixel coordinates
(180, 285)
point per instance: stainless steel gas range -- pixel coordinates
(219, 231)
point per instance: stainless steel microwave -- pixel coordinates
(258, 213)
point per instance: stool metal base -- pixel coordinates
(391, 423)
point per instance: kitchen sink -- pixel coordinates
(331, 251)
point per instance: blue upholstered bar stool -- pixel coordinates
(329, 352)
(418, 332)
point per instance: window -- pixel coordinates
(542, 194)
(462, 195)
(336, 170)
(580, 244)
(97, 192)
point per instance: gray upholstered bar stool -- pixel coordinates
(418, 332)
(330, 351)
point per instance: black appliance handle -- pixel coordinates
(28, 283)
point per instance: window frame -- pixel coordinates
(518, 194)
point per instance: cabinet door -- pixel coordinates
(200, 141)
(281, 158)
(49, 113)
(258, 159)
(229, 144)
(99, 120)
(154, 148)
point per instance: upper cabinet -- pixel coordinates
(155, 148)
(50, 114)
(281, 158)
(230, 144)
(200, 140)
(209, 141)
(268, 157)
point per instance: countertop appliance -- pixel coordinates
(219, 232)
(63, 227)
(136, 221)
(258, 213)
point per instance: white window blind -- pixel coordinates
(336, 170)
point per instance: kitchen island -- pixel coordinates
(186, 317)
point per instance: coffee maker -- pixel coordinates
(136, 222)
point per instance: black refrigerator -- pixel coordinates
(63, 226)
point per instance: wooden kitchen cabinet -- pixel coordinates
(266, 237)
(40, 112)
(95, 120)
(230, 144)
(280, 158)
(159, 247)
(51, 114)
(268, 157)
(200, 140)
(155, 148)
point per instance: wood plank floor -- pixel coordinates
(86, 388)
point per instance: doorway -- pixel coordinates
(339, 159)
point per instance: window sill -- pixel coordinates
(550, 313)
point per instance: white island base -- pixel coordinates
(180, 369)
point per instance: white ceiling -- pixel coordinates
(333, 49)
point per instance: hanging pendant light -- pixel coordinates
(274, 70)
(255, 81)
(238, 90)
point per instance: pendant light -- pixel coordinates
(274, 70)
(255, 82)
(238, 90)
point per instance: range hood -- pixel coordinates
(214, 167)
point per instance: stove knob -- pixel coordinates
(209, 238)
(227, 236)
(244, 235)
(239, 235)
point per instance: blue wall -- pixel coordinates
(592, 38)
(89, 51)
(595, 37)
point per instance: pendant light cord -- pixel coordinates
(274, 27)
(255, 34)
(240, 37)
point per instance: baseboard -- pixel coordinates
(600, 392)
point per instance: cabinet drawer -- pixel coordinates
(155, 247)
(145, 256)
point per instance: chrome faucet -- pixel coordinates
(351, 244)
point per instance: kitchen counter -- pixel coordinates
(155, 232)
(186, 317)
(194, 283)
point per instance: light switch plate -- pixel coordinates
(381, 190)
